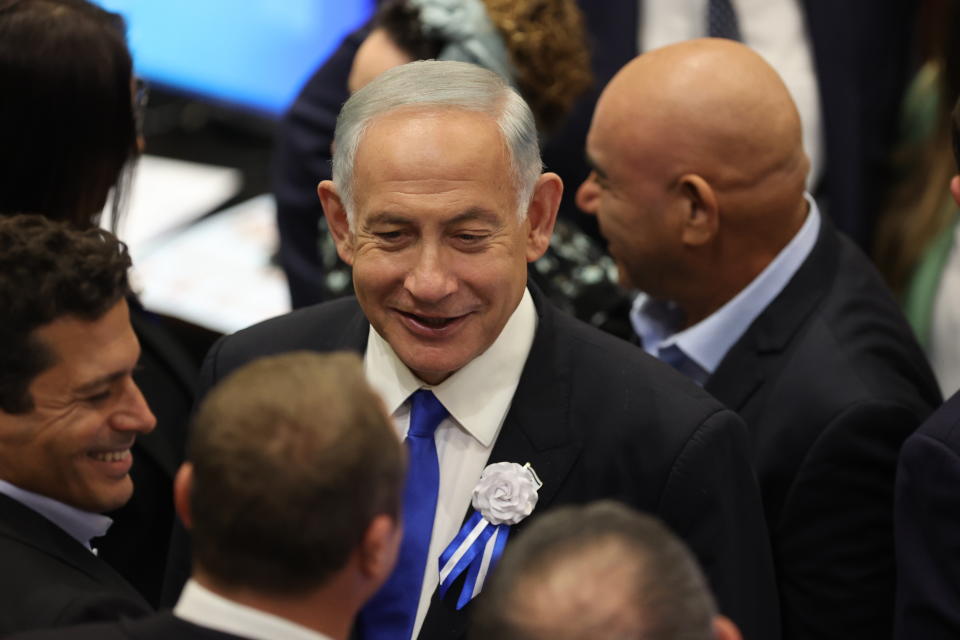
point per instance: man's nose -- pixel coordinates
(133, 414)
(431, 279)
(588, 194)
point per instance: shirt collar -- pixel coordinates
(205, 608)
(479, 394)
(707, 342)
(81, 525)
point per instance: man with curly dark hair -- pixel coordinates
(69, 413)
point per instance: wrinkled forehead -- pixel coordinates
(455, 145)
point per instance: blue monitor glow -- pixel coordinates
(255, 54)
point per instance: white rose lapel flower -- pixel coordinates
(505, 495)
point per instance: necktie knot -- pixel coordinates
(426, 414)
(722, 20)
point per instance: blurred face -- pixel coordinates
(74, 446)
(376, 54)
(635, 209)
(439, 257)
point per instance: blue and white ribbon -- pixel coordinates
(476, 549)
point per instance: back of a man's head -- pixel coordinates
(292, 458)
(597, 572)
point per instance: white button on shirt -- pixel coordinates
(478, 397)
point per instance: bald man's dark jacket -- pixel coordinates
(596, 418)
(49, 579)
(830, 381)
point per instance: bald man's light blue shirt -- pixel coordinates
(697, 351)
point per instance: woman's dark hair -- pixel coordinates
(546, 41)
(67, 121)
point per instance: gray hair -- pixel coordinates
(443, 84)
(595, 571)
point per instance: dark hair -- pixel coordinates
(401, 22)
(67, 121)
(293, 456)
(49, 270)
(641, 580)
(545, 39)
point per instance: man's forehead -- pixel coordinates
(86, 350)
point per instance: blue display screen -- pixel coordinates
(252, 53)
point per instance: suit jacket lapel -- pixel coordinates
(33, 530)
(742, 372)
(536, 430)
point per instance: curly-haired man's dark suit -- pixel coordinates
(52, 580)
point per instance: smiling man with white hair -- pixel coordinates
(438, 202)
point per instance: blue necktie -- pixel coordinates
(722, 20)
(390, 614)
(677, 359)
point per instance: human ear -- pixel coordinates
(337, 222)
(701, 211)
(378, 549)
(542, 214)
(182, 487)
(955, 188)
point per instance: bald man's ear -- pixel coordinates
(337, 222)
(542, 214)
(701, 211)
(182, 487)
(955, 188)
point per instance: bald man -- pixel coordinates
(698, 186)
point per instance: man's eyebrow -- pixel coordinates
(101, 381)
(469, 215)
(386, 217)
(476, 214)
(592, 164)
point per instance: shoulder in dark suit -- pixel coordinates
(160, 626)
(597, 418)
(50, 580)
(830, 382)
(928, 529)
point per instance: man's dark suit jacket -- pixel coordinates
(927, 519)
(861, 55)
(597, 418)
(830, 381)
(160, 626)
(48, 579)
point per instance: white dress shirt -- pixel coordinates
(776, 29)
(81, 525)
(708, 341)
(944, 348)
(477, 397)
(204, 608)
